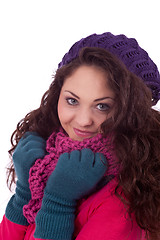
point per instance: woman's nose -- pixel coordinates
(84, 118)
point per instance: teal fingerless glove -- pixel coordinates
(30, 147)
(75, 176)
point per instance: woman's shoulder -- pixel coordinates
(104, 198)
(103, 215)
(106, 192)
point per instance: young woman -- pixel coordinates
(87, 160)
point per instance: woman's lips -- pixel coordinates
(81, 133)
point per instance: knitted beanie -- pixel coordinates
(128, 51)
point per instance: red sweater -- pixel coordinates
(102, 216)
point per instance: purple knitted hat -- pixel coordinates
(126, 49)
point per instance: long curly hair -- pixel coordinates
(136, 127)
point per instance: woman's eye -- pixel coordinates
(103, 107)
(71, 101)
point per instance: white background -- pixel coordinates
(35, 34)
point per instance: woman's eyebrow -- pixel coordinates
(96, 100)
(100, 99)
(72, 94)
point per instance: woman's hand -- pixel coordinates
(76, 174)
(30, 147)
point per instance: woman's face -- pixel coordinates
(85, 102)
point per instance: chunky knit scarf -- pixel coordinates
(57, 144)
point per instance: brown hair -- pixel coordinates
(136, 128)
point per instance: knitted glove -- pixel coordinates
(30, 147)
(75, 176)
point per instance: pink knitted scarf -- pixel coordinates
(57, 144)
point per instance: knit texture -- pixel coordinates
(128, 51)
(56, 212)
(57, 144)
(30, 147)
(14, 209)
